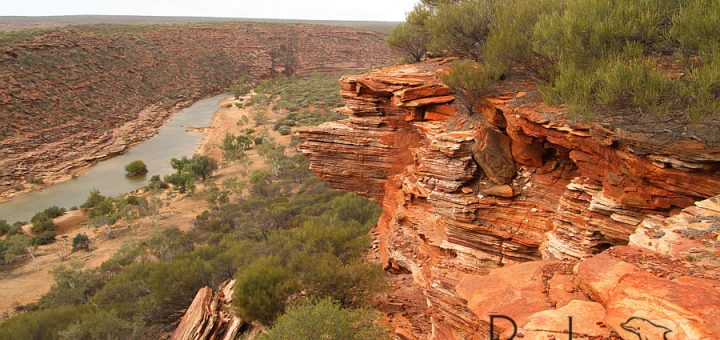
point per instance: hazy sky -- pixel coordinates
(383, 10)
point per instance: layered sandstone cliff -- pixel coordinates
(503, 206)
(71, 96)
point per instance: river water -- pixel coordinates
(172, 141)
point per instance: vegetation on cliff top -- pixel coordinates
(654, 57)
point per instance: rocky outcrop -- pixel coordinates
(210, 317)
(505, 206)
(72, 96)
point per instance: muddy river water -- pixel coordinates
(172, 140)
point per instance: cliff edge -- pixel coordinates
(503, 206)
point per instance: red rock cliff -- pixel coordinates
(505, 207)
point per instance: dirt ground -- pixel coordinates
(28, 280)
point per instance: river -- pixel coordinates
(172, 141)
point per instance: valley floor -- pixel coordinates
(27, 281)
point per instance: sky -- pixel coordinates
(377, 10)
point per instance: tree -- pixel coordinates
(187, 170)
(135, 169)
(284, 56)
(412, 37)
(461, 29)
(326, 319)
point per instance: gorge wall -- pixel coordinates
(503, 206)
(71, 96)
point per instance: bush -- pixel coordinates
(15, 246)
(36, 180)
(156, 184)
(4, 227)
(284, 130)
(42, 324)
(325, 319)
(594, 55)
(54, 211)
(81, 241)
(262, 289)
(46, 237)
(135, 169)
(41, 222)
(94, 199)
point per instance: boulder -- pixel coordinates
(492, 153)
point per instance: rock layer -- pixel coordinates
(470, 196)
(210, 317)
(72, 96)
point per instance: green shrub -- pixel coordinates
(42, 324)
(93, 199)
(156, 184)
(41, 222)
(135, 169)
(262, 289)
(325, 319)
(593, 55)
(4, 227)
(46, 237)
(15, 246)
(54, 211)
(284, 130)
(81, 241)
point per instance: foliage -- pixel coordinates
(104, 325)
(54, 211)
(187, 170)
(4, 227)
(240, 87)
(93, 200)
(234, 147)
(461, 28)
(15, 246)
(284, 130)
(294, 93)
(326, 319)
(632, 57)
(43, 324)
(81, 241)
(156, 184)
(136, 168)
(262, 289)
(46, 237)
(412, 37)
(41, 222)
(73, 286)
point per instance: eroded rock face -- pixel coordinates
(71, 97)
(210, 317)
(507, 207)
